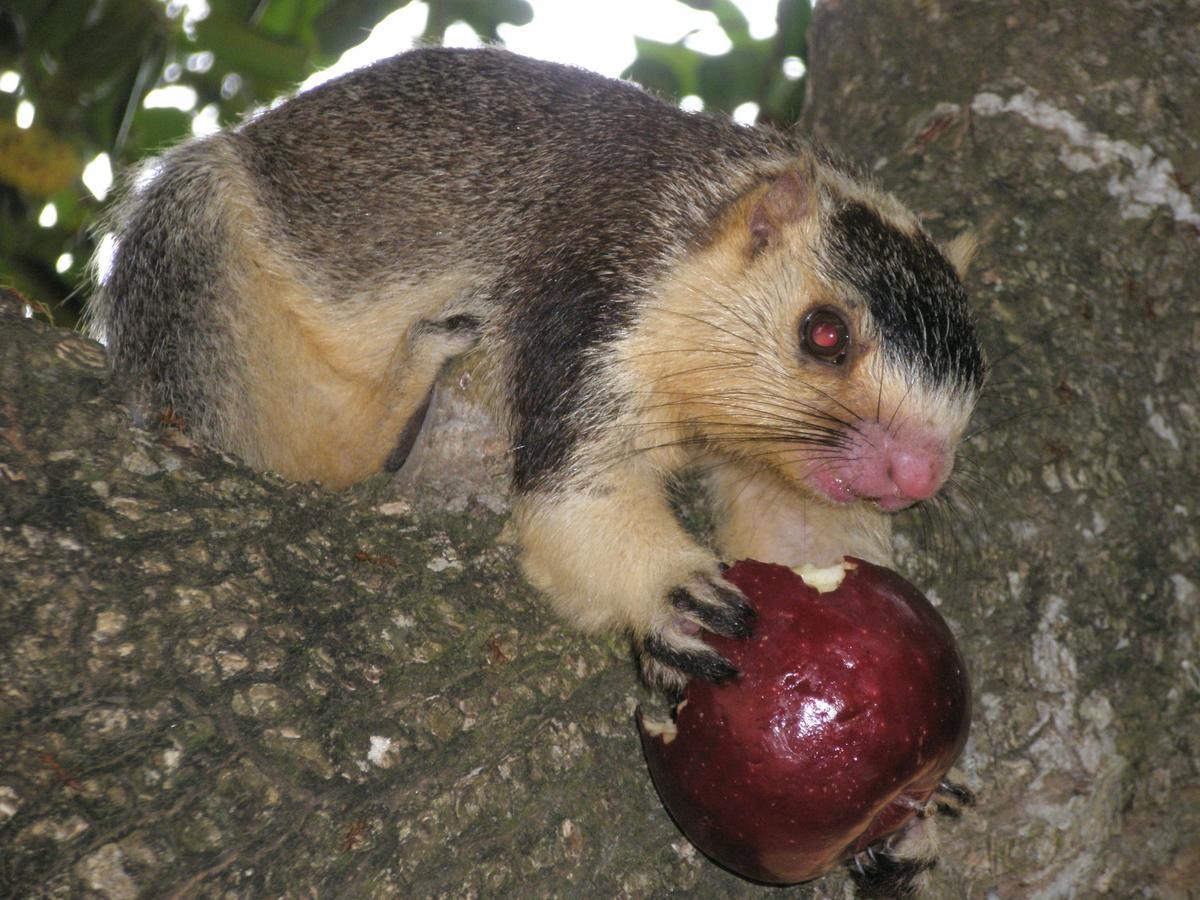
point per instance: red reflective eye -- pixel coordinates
(826, 335)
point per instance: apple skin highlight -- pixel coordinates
(851, 706)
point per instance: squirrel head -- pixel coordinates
(822, 333)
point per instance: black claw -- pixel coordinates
(674, 697)
(731, 615)
(959, 793)
(886, 876)
(696, 664)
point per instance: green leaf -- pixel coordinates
(343, 24)
(727, 81)
(275, 64)
(97, 60)
(669, 70)
(155, 129)
(792, 18)
(784, 102)
(51, 26)
(484, 16)
(73, 208)
(729, 16)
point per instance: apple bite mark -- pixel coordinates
(824, 579)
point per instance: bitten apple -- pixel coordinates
(851, 705)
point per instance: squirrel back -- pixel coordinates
(480, 187)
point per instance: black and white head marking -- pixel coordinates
(914, 296)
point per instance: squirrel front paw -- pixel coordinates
(672, 651)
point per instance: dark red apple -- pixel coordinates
(851, 706)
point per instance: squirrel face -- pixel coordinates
(822, 334)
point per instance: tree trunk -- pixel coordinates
(1067, 134)
(219, 683)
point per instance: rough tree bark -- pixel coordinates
(215, 682)
(1068, 134)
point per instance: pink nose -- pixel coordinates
(917, 474)
(897, 469)
(892, 468)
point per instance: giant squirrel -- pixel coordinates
(651, 290)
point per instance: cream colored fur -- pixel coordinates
(625, 552)
(334, 379)
(762, 517)
(711, 363)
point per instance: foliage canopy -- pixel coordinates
(86, 67)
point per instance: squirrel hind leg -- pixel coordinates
(897, 867)
(340, 394)
(207, 307)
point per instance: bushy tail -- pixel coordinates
(157, 304)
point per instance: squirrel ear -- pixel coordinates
(961, 251)
(789, 198)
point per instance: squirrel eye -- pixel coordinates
(826, 336)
